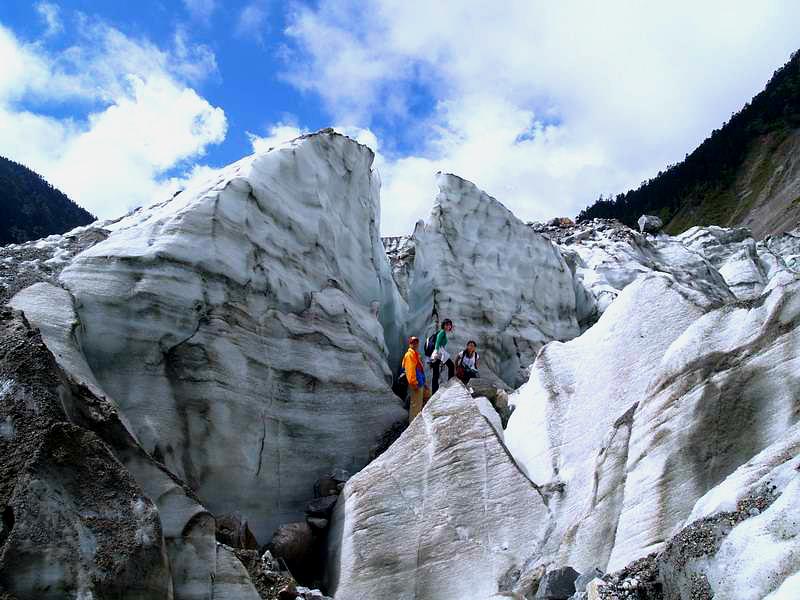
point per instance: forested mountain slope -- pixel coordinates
(746, 173)
(31, 208)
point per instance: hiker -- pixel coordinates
(467, 362)
(440, 355)
(415, 375)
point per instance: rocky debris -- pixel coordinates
(268, 576)
(22, 265)
(304, 593)
(650, 224)
(439, 514)
(231, 580)
(60, 486)
(501, 284)
(639, 580)
(556, 229)
(188, 528)
(747, 553)
(233, 531)
(558, 584)
(272, 581)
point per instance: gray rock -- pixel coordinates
(294, 543)
(325, 486)
(582, 581)
(233, 531)
(321, 507)
(650, 224)
(340, 475)
(558, 584)
(317, 522)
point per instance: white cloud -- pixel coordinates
(200, 9)
(276, 134)
(252, 20)
(193, 62)
(49, 13)
(140, 122)
(543, 104)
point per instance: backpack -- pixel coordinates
(400, 385)
(430, 344)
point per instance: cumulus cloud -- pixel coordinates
(49, 13)
(140, 119)
(545, 105)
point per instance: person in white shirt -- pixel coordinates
(467, 362)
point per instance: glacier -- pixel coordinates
(224, 349)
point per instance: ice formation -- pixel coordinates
(501, 283)
(233, 343)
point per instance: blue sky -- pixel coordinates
(544, 105)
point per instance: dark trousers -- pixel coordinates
(436, 365)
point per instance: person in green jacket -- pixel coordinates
(440, 355)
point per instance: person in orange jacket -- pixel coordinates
(415, 375)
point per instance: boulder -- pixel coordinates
(650, 224)
(233, 531)
(558, 584)
(444, 513)
(295, 544)
(317, 522)
(321, 507)
(584, 578)
(326, 486)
